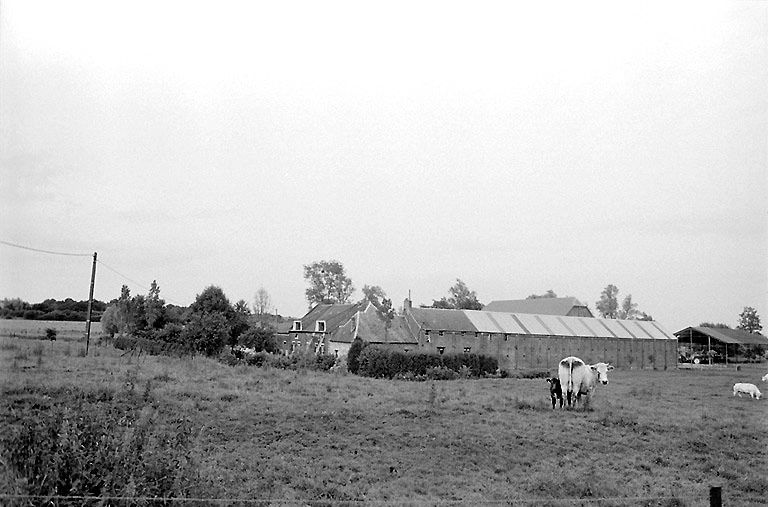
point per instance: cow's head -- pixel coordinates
(602, 370)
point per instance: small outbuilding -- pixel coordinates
(709, 345)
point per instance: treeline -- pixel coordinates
(51, 309)
(206, 326)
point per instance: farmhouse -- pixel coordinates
(709, 345)
(516, 340)
(331, 328)
(568, 306)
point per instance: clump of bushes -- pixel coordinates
(380, 362)
(307, 360)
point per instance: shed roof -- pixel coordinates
(725, 335)
(530, 324)
(539, 306)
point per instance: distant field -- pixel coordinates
(650, 437)
(67, 330)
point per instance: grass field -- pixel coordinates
(648, 438)
(66, 330)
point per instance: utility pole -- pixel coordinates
(90, 306)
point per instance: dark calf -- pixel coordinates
(555, 391)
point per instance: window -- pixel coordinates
(296, 325)
(426, 332)
(477, 334)
(336, 352)
(320, 326)
(506, 337)
(463, 333)
(441, 350)
(467, 349)
(439, 333)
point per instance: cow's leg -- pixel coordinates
(561, 400)
(553, 400)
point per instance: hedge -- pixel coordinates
(380, 362)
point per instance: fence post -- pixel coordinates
(715, 496)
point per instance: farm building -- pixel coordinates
(569, 306)
(709, 345)
(331, 328)
(522, 341)
(516, 340)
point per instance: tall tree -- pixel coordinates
(262, 303)
(749, 320)
(461, 298)
(628, 309)
(154, 307)
(379, 300)
(328, 283)
(608, 306)
(549, 294)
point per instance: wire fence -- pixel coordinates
(63, 501)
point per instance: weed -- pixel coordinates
(67, 351)
(37, 350)
(81, 352)
(8, 346)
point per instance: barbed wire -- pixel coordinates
(294, 501)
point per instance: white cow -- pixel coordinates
(765, 377)
(577, 377)
(746, 388)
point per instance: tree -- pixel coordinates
(608, 305)
(749, 320)
(262, 303)
(549, 294)
(240, 321)
(212, 300)
(379, 300)
(461, 298)
(719, 325)
(259, 338)
(213, 321)
(628, 309)
(154, 307)
(353, 356)
(328, 283)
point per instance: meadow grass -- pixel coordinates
(304, 436)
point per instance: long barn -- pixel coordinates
(524, 341)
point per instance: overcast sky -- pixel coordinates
(518, 147)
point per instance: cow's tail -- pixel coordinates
(570, 378)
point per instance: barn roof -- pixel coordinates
(531, 324)
(539, 306)
(725, 335)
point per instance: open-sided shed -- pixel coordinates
(698, 344)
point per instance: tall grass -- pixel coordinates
(303, 436)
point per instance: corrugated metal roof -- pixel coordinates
(542, 325)
(554, 324)
(616, 328)
(726, 335)
(537, 306)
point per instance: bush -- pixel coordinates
(325, 362)
(70, 442)
(353, 356)
(259, 339)
(50, 333)
(441, 373)
(380, 362)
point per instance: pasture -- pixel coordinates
(648, 438)
(66, 330)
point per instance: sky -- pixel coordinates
(520, 148)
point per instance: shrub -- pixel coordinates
(325, 362)
(259, 339)
(353, 356)
(94, 443)
(50, 333)
(441, 373)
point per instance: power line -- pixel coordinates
(45, 251)
(143, 286)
